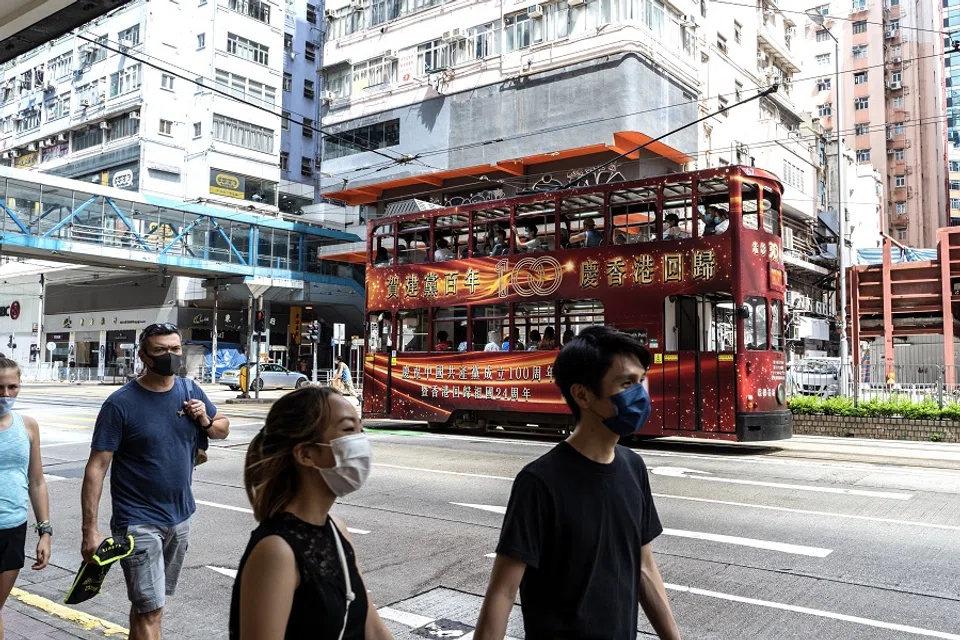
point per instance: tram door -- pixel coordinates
(699, 375)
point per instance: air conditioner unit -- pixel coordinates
(6, 155)
(390, 54)
(896, 59)
(105, 126)
(328, 96)
(453, 35)
(329, 14)
(126, 44)
(895, 84)
(535, 11)
(890, 151)
(688, 20)
(576, 3)
(357, 5)
(15, 153)
(17, 118)
(793, 332)
(32, 146)
(787, 238)
(909, 170)
(84, 103)
(790, 31)
(61, 137)
(134, 115)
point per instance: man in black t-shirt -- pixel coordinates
(576, 538)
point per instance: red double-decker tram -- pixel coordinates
(467, 305)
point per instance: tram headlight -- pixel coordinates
(781, 394)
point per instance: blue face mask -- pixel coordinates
(6, 405)
(633, 411)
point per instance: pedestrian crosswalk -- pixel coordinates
(441, 613)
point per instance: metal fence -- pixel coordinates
(914, 382)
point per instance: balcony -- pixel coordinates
(777, 47)
(899, 220)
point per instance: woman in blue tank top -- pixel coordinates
(21, 480)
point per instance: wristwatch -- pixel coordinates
(210, 424)
(44, 528)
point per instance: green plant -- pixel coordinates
(806, 405)
(897, 405)
(936, 437)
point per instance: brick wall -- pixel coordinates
(879, 428)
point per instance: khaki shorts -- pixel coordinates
(153, 569)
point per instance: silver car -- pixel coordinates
(272, 376)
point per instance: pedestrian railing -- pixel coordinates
(916, 383)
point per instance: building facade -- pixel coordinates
(300, 145)
(94, 107)
(890, 103)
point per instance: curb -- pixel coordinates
(94, 626)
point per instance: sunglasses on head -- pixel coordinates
(160, 329)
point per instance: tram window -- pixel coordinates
(771, 212)
(413, 330)
(581, 221)
(755, 324)
(749, 207)
(678, 214)
(450, 329)
(413, 245)
(776, 324)
(724, 325)
(536, 323)
(490, 322)
(451, 237)
(535, 226)
(634, 223)
(577, 315)
(383, 247)
(379, 326)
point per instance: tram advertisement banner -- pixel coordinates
(659, 269)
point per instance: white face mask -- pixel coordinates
(353, 458)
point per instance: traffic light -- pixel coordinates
(260, 325)
(313, 332)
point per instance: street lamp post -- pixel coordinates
(818, 18)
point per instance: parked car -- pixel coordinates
(816, 377)
(272, 376)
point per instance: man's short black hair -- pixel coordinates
(672, 217)
(587, 358)
(158, 329)
(442, 335)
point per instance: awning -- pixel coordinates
(622, 142)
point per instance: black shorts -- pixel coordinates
(12, 543)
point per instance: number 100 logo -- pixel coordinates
(539, 276)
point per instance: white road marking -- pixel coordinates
(407, 619)
(679, 472)
(230, 573)
(490, 555)
(796, 549)
(442, 472)
(831, 514)
(416, 621)
(879, 624)
(482, 507)
(228, 507)
(52, 478)
(63, 444)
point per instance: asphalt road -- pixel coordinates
(813, 538)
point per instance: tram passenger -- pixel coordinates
(590, 236)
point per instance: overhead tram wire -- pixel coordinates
(518, 180)
(760, 94)
(396, 160)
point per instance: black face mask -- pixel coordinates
(166, 365)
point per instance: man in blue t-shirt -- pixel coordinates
(150, 430)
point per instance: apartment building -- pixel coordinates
(471, 100)
(129, 102)
(951, 60)
(890, 103)
(303, 30)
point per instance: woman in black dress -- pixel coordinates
(299, 578)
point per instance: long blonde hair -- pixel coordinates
(270, 474)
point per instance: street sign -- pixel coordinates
(51, 346)
(339, 331)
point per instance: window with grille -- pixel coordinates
(823, 84)
(166, 128)
(901, 208)
(823, 59)
(861, 128)
(248, 49)
(284, 161)
(860, 26)
(255, 9)
(130, 37)
(308, 89)
(242, 134)
(860, 52)
(863, 155)
(899, 181)
(825, 109)
(307, 127)
(245, 89)
(859, 104)
(306, 166)
(860, 77)
(125, 81)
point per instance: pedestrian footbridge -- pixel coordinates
(64, 220)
